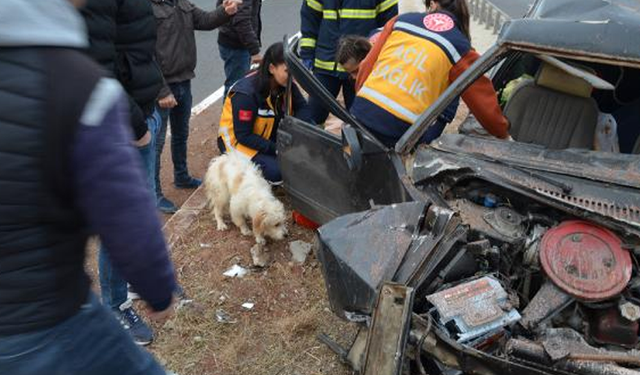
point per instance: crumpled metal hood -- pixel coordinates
(604, 188)
(596, 28)
(610, 168)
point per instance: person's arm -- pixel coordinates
(245, 112)
(203, 20)
(243, 26)
(114, 197)
(301, 108)
(310, 21)
(366, 66)
(481, 98)
(385, 11)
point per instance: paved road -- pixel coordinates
(514, 8)
(278, 17)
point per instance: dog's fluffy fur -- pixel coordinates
(234, 182)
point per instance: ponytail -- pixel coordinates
(274, 56)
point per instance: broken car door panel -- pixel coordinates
(415, 60)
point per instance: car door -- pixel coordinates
(326, 175)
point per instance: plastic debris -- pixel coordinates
(248, 305)
(224, 317)
(235, 271)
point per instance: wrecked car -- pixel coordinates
(481, 256)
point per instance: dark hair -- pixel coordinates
(273, 56)
(460, 11)
(352, 47)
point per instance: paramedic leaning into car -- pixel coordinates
(416, 58)
(253, 110)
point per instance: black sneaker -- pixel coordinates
(190, 183)
(133, 323)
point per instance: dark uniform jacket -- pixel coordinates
(325, 21)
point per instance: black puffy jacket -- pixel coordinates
(122, 36)
(244, 29)
(42, 235)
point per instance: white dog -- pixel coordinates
(235, 182)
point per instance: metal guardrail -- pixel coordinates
(487, 14)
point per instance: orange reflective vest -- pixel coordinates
(412, 69)
(261, 111)
(417, 57)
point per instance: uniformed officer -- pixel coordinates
(253, 110)
(323, 23)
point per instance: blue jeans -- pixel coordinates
(113, 287)
(236, 65)
(179, 118)
(269, 166)
(90, 342)
(333, 84)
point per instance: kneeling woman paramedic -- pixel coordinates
(412, 63)
(253, 110)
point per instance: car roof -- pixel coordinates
(585, 29)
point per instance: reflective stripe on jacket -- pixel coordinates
(413, 67)
(417, 57)
(249, 121)
(325, 21)
(261, 113)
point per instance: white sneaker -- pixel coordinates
(131, 294)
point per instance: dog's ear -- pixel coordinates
(259, 222)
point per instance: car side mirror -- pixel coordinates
(351, 148)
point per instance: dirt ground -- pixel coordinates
(278, 335)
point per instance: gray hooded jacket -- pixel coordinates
(41, 23)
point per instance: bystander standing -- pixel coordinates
(176, 52)
(239, 41)
(68, 169)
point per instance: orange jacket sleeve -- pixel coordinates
(481, 98)
(366, 66)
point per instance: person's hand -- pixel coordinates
(231, 6)
(168, 102)
(308, 63)
(256, 59)
(146, 138)
(161, 317)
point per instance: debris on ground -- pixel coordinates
(184, 302)
(299, 251)
(260, 255)
(236, 271)
(224, 317)
(248, 305)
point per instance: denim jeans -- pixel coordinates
(113, 287)
(236, 65)
(90, 342)
(333, 84)
(179, 118)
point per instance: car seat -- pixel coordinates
(554, 110)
